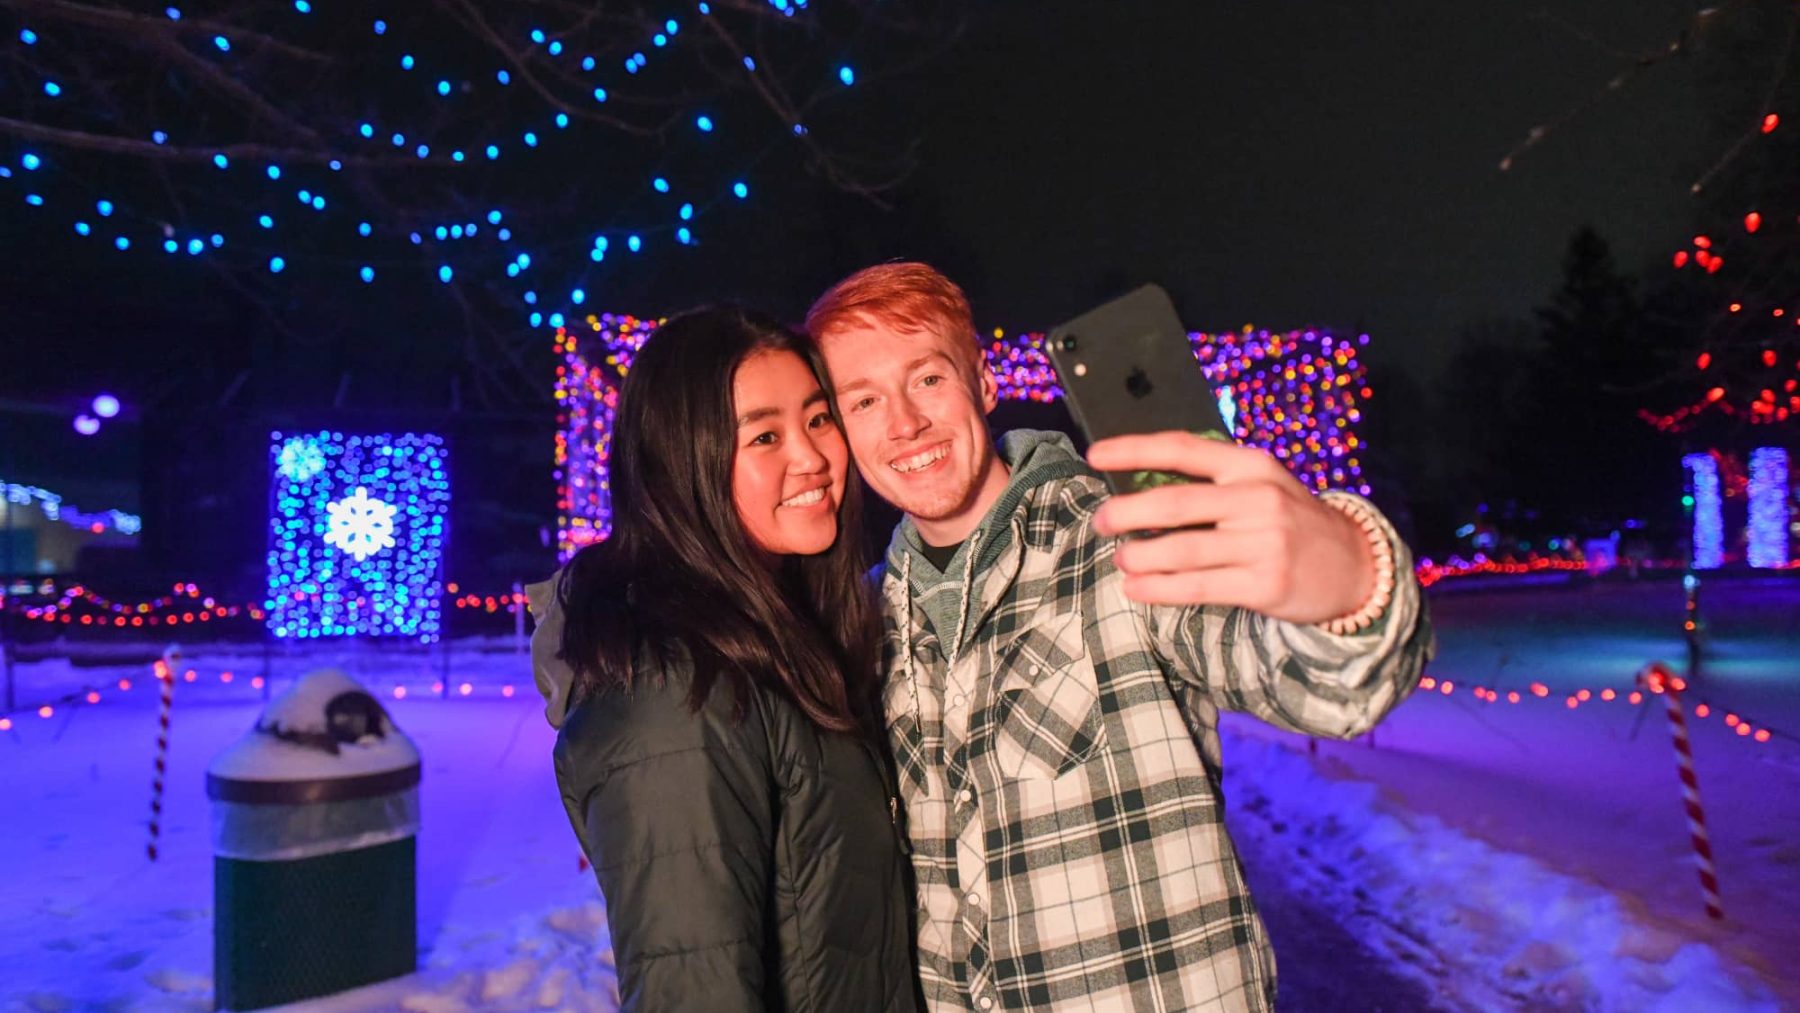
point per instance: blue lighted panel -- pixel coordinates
(357, 525)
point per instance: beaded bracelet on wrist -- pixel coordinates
(1383, 551)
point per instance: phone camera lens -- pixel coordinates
(1068, 343)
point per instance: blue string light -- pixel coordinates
(105, 207)
(445, 274)
(1709, 520)
(52, 89)
(847, 75)
(1767, 546)
(443, 84)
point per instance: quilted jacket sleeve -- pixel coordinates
(676, 812)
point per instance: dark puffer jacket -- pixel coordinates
(748, 864)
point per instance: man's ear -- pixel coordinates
(989, 386)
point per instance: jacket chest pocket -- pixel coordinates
(904, 701)
(1047, 714)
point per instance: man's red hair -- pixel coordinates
(905, 296)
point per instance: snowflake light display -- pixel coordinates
(300, 459)
(359, 525)
(1295, 394)
(356, 535)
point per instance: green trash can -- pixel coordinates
(315, 814)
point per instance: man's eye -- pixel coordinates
(862, 403)
(931, 381)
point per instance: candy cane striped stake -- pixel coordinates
(1657, 678)
(164, 667)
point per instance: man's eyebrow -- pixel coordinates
(862, 381)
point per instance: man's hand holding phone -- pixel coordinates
(1272, 546)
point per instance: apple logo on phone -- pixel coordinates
(1137, 383)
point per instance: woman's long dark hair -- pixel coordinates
(680, 580)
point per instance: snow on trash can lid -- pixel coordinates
(324, 740)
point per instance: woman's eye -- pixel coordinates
(763, 440)
(820, 420)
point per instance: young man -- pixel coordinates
(1052, 692)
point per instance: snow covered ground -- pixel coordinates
(1479, 855)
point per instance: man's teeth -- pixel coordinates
(805, 498)
(917, 461)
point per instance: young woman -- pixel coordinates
(718, 757)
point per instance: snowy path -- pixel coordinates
(1480, 857)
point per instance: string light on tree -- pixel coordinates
(359, 122)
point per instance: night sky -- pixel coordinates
(1303, 163)
(1277, 163)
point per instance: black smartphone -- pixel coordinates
(1127, 367)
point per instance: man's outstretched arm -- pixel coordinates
(1239, 606)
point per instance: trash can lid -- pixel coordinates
(324, 740)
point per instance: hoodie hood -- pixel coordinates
(1033, 457)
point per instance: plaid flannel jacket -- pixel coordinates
(1059, 765)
